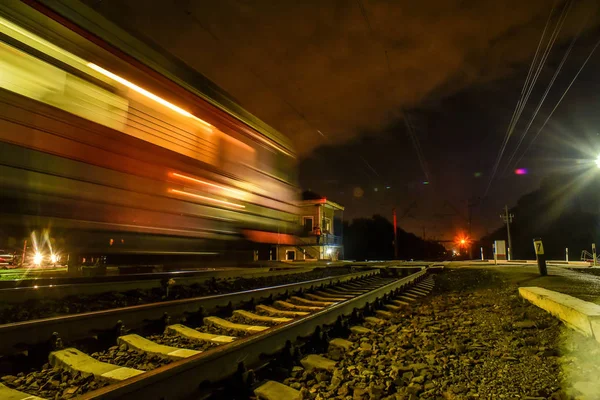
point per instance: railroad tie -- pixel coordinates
(400, 303)
(144, 345)
(384, 314)
(312, 302)
(360, 330)
(341, 343)
(403, 297)
(392, 307)
(74, 361)
(333, 295)
(223, 323)
(313, 361)
(417, 292)
(344, 292)
(291, 306)
(282, 313)
(261, 318)
(323, 298)
(375, 320)
(12, 394)
(272, 390)
(192, 334)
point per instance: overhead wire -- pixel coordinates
(559, 101)
(535, 65)
(543, 99)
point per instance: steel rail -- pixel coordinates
(43, 289)
(182, 379)
(81, 326)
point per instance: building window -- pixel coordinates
(290, 255)
(326, 225)
(307, 223)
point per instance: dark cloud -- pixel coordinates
(304, 66)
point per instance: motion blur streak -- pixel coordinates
(145, 93)
(189, 178)
(206, 198)
(96, 164)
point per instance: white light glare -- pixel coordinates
(328, 251)
(37, 258)
(53, 258)
(598, 161)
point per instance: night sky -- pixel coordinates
(343, 78)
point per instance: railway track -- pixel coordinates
(185, 344)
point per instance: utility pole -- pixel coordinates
(395, 234)
(507, 218)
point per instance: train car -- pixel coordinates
(101, 153)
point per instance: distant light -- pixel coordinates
(37, 258)
(521, 171)
(388, 187)
(477, 174)
(425, 182)
(376, 189)
(328, 252)
(145, 93)
(53, 258)
(598, 161)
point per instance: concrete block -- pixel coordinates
(312, 302)
(261, 318)
(193, 334)
(7, 393)
(341, 343)
(74, 360)
(223, 323)
(360, 330)
(275, 311)
(400, 302)
(272, 390)
(406, 298)
(314, 361)
(290, 306)
(392, 307)
(417, 292)
(578, 314)
(144, 345)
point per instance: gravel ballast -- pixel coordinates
(473, 338)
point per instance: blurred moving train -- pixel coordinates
(102, 154)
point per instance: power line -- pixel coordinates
(559, 101)
(417, 146)
(541, 102)
(529, 82)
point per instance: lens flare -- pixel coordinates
(53, 258)
(521, 171)
(37, 258)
